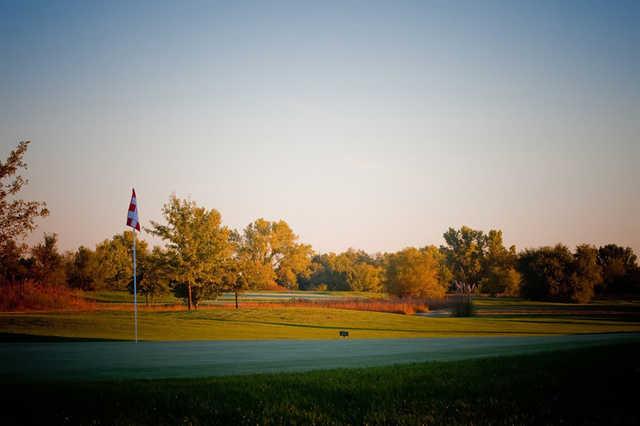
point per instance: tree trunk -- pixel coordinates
(236, 300)
(189, 296)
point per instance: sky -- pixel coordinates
(373, 125)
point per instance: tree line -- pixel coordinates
(202, 258)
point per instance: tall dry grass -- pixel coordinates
(30, 296)
(407, 306)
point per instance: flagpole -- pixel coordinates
(135, 295)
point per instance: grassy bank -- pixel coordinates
(302, 323)
(594, 386)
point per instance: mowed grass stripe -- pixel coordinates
(292, 323)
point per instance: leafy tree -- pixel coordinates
(80, 269)
(501, 280)
(544, 272)
(153, 274)
(271, 255)
(554, 273)
(619, 266)
(199, 245)
(359, 271)
(17, 217)
(235, 278)
(48, 266)
(585, 274)
(323, 274)
(113, 260)
(414, 272)
(465, 253)
(12, 266)
(351, 270)
(499, 274)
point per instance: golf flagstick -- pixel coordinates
(132, 221)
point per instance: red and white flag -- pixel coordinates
(132, 215)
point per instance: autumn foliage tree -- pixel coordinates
(199, 245)
(271, 254)
(416, 272)
(17, 217)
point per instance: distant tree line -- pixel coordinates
(203, 258)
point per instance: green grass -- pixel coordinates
(588, 386)
(299, 323)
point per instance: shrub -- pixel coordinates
(462, 306)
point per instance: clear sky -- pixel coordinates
(375, 125)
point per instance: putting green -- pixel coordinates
(77, 361)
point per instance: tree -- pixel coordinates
(271, 255)
(322, 274)
(465, 252)
(554, 273)
(235, 278)
(48, 267)
(585, 274)
(501, 280)
(499, 274)
(80, 269)
(153, 274)
(359, 270)
(199, 245)
(544, 272)
(113, 260)
(619, 266)
(17, 217)
(351, 270)
(413, 272)
(12, 266)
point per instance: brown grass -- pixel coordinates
(407, 306)
(30, 296)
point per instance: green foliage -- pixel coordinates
(544, 273)
(416, 272)
(349, 271)
(619, 270)
(585, 274)
(153, 275)
(199, 247)
(80, 269)
(112, 263)
(482, 260)
(270, 254)
(48, 267)
(12, 267)
(554, 273)
(465, 252)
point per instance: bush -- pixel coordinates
(462, 306)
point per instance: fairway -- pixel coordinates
(90, 361)
(302, 323)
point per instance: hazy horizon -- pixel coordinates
(368, 125)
